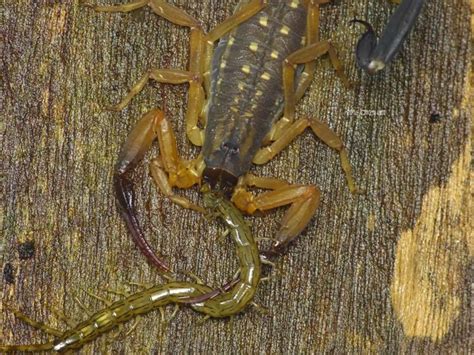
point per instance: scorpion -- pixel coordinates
(244, 93)
(241, 110)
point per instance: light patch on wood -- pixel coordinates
(432, 257)
(363, 344)
(371, 222)
(45, 102)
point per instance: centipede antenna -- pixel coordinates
(35, 324)
(27, 348)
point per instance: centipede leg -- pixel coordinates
(97, 297)
(62, 317)
(33, 323)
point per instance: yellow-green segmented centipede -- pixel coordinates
(222, 305)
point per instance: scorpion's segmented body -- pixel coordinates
(246, 95)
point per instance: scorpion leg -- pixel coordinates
(292, 94)
(323, 132)
(312, 36)
(302, 56)
(330, 138)
(169, 170)
(160, 7)
(131, 6)
(303, 201)
(165, 76)
(173, 76)
(244, 13)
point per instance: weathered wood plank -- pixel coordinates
(385, 272)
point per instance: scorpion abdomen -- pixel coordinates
(246, 95)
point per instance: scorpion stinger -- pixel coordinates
(373, 56)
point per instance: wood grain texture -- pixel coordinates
(385, 272)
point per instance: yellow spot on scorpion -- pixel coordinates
(285, 30)
(253, 46)
(264, 21)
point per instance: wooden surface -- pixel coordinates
(385, 272)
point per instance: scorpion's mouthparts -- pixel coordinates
(220, 178)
